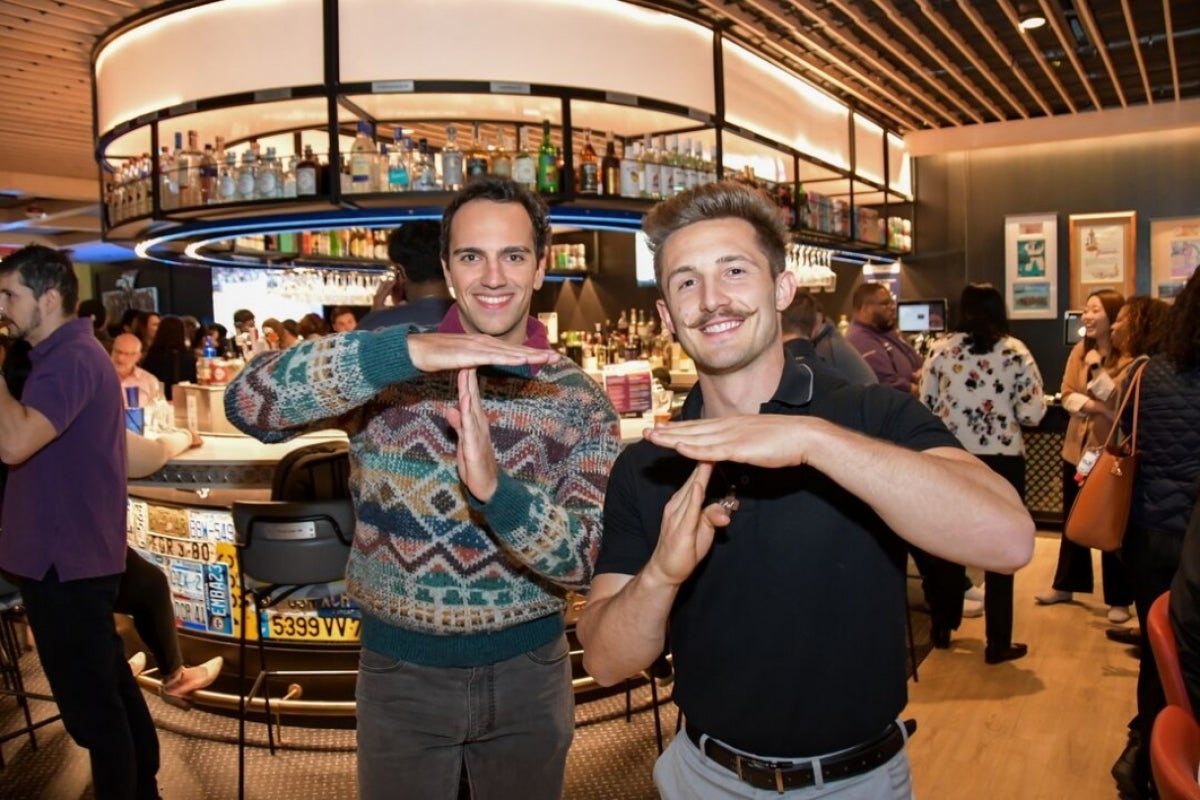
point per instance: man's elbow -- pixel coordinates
(1017, 544)
(595, 667)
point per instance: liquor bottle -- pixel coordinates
(168, 189)
(289, 177)
(589, 166)
(547, 163)
(452, 162)
(208, 176)
(362, 158)
(678, 174)
(306, 174)
(631, 171)
(477, 159)
(424, 173)
(652, 186)
(524, 168)
(265, 182)
(187, 165)
(691, 173)
(227, 179)
(398, 170)
(247, 178)
(501, 160)
(610, 169)
(599, 347)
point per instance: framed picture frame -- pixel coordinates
(1103, 248)
(1174, 254)
(1031, 265)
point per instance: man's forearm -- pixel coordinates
(623, 633)
(316, 380)
(948, 503)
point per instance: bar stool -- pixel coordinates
(11, 612)
(283, 547)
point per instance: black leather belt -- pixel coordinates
(782, 776)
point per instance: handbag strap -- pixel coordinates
(1134, 390)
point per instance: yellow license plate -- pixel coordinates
(310, 628)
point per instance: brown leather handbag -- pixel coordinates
(1101, 509)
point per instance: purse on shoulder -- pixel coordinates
(1101, 509)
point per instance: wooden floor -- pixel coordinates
(1047, 726)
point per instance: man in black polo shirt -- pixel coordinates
(768, 528)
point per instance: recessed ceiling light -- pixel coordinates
(1032, 22)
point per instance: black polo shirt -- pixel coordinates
(788, 639)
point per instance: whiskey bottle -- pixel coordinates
(589, 166)
(610, 169)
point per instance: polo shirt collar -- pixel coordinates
(69, 331)
(795, 390)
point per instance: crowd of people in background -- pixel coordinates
(954, 415)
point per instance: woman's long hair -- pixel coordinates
(1183, 336)
(171, 337)
(982, 317)
(1111, 300)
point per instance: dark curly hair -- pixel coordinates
(1182, 344)
(1146, 321)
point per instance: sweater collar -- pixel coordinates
(536, 336)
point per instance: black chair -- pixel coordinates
(318, 471)
(283, 547)
(12, 612)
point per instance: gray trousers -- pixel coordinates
(510, 724)
(684, 773)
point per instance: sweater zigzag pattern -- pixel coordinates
(428, 558)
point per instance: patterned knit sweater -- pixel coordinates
(441, 578)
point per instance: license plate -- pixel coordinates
(310, 628)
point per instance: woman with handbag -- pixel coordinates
(984, 385)
(1168, 425)
(1089, 395)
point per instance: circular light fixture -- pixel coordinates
(1030, 20)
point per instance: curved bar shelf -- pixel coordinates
(688, 81)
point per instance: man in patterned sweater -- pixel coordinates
(479, 462)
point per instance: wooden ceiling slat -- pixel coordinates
(1136, 44)
(939, 21)
(887, 73)
(934, 52)
(1171, 45)
(1058, 24)
(1006, 56)
(914, 119)
(51, 24)
(56, 9)
(1101, 45)
(1036, 52)
(872, 64)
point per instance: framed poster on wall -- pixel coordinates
(1103, 248)
(1174, 254)
(1031, 266)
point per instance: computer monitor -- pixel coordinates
(921, 316)
(1072, 327)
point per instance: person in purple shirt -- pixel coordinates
(419, 290)
(873, 333)
(62, 530)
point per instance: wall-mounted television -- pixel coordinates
(921, 316)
